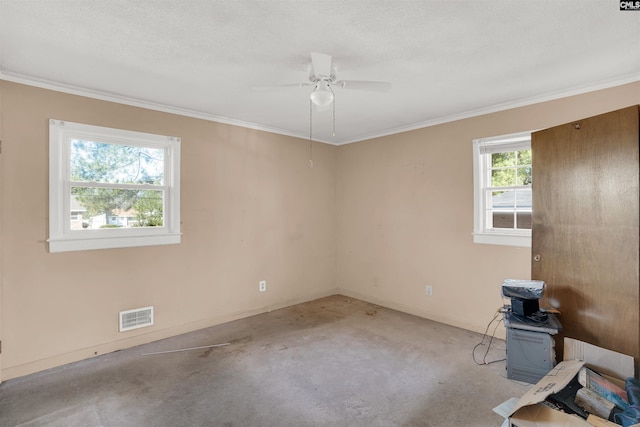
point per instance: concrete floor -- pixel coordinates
(330, 362)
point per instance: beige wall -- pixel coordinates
(405, 213)
(375, 220)
(251, 209)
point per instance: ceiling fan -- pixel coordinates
(322, 76)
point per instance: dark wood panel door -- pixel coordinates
(585, 228)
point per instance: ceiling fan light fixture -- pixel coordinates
(322, 95)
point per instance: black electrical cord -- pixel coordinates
(484, 336)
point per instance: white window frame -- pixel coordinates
(61, 237)
(482, 149)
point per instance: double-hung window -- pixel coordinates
(111, 188)
(502, 190)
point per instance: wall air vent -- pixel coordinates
(136, 318)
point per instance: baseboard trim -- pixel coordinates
(42, 365)
(500, 331)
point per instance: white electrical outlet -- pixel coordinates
(429, 290)
(262, 285)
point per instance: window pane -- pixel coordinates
(149, 208)
(503, 220)
(523, 199)
(503, 177)
(524, 157)
(524, 220)
(501, 200)
(502, 209)
(114, 163)
(523, 175)
(94, 208)
(503, 159)
(511, 209)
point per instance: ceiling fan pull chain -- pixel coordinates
(310, 134)
(334, 116)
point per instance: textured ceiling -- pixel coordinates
(445, 59)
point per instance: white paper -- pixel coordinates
(506, 408)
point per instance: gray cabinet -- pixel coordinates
(530, 351)
(530, 355)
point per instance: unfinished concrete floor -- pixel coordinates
(335, 361)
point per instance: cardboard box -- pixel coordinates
(614, 366)
(539, 415)
(529, 411)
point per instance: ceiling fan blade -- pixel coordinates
(321, 64)
(364, 85)
(274, 87)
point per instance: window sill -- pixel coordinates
(502, 239)
(69, 245)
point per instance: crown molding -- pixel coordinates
(119, 99)
(111, 97)
(550, 96)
